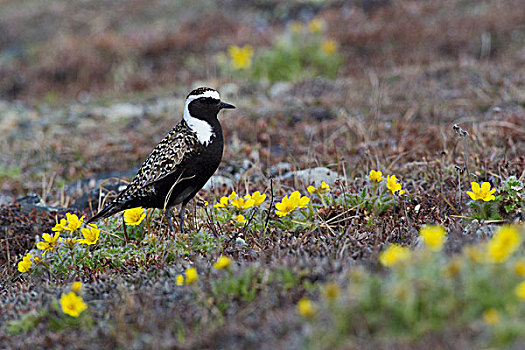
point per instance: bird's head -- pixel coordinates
(204, 103)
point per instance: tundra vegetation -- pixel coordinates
(407, 233)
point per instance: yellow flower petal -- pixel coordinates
(434, 236)
(72, 304)
(223, 203)
(76, 286)
(519, 267)
(258, 198)
(91, 235)
(329, 46)
(191, 275)
(295, 196)
(505, 242)
(240, 219)
(134, 216)
(179, 280)
(491, 317)
(315, 25)
(222, 263)
(25, 264)
(303, 201)
(394, 255)
(519, 291)
(306, 308)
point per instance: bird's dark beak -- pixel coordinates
(223, 105)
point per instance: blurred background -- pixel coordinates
(56, 50)
(89, 87)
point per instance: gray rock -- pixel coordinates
(485, 231)
(280, 168)
(81, 186)
(5, 199)
(313, 176)
(229, 91)
(33, 201)
(217, 181)
(241, 242)
(280, 89)
(119, 111)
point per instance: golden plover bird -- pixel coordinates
(181, 164)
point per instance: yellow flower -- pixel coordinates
(331, 291)
(76, 286)
(491, 317)
(506, 241)
(179, 280)
(191, 275)
(520, 291)
(329, 46)
(287, 205)
(60, 226)
(36, 259)
(453, 268)
(394, 255)
(90, 234)
(257, 197)
(68, 241)
(134, 217)
(73, 222)
(297, 27)
(376, 175)
(49, 242)
(473, 253)
(433, 236)
(401, 292)
(206, 203)
(241, 203)
(25, 264)
(323, 188)
(394, 186)
(315, 25)
(240, 219)
(72, 304)
(222, 263)
(305, 307)
(482, 192)
(241, 58)
(223, 203)
(519, 268)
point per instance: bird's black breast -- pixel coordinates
(190, 175)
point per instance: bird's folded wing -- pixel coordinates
(162, 161)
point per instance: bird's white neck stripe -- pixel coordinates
(202, 128)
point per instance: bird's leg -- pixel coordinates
(181, 216)
(168, 214)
